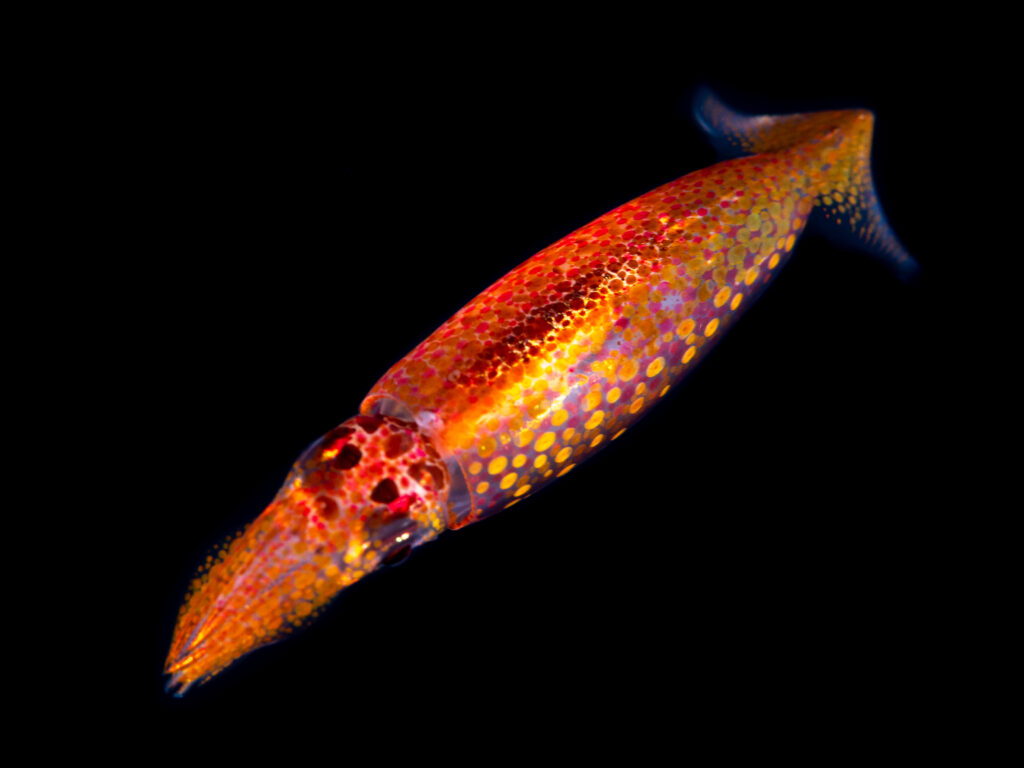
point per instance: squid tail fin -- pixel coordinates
(837, 145)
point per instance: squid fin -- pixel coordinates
(837, 146)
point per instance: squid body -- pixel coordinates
(548, 365)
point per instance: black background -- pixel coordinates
(293, 222)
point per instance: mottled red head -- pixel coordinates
(360, 496)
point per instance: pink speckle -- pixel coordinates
(400, 506)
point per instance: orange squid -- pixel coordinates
(545, 367)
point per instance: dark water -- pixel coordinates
(771, 527)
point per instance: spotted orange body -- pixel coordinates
(548, 365)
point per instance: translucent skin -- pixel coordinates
(362, 495)
(545, 367)
(561, 355)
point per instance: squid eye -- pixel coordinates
(396, 556)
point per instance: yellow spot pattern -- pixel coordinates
(628, 369)
(544, 442)
(637, 321)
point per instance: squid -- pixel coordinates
(547, 366)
